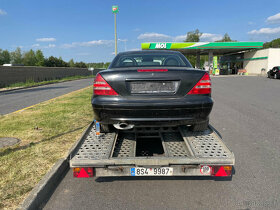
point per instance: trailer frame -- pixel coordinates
(185, 151)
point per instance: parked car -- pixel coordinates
(274, 72)
(153, 87)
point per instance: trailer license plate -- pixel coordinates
(162, 171)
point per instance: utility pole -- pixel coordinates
(125, 45)
(115, 10)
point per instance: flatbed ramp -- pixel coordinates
(187, 153)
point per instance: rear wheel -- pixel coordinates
(200, 126)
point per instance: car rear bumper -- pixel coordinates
(176, 111)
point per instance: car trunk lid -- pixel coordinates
(146, 82)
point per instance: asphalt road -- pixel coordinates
(18, 99)
(247, 115)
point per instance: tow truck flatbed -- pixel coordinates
(185, 152)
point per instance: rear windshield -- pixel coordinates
(149, 60)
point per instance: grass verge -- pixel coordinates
(47, 131)
(31, 83)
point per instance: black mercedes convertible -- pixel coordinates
(151, 88)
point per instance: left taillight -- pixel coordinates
(83, 172)
(101, 87)
(202, 87)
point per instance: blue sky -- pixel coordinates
(84, 29)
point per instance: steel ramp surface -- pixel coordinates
(180, 145)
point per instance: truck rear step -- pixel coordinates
(114, 154)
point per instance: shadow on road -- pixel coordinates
(151, 178)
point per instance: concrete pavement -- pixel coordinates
(18, 99)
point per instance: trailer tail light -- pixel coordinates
(203, 86)
(101, 87)
(221, 170)
(152, 70)
(82, 172)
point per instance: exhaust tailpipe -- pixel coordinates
(123, 126)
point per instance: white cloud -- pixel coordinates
(122, 40)
(67, 45)
(136, 29)
(43, 47)
(35, 45)
(274, 18)
(50, 46)
(154, 37)
(95, 42)
(134, 49)
(265, 31)
(205, 37)
(3, 12)
(180, 38)
(208, 37)
(251, 23)
(88, 44)
(46, 39)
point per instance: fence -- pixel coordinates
(14, 74)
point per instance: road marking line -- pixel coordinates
(52, 99)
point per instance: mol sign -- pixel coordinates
(160, 46)
(115, 9)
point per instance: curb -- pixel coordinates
(43, 190)
(41, 193)
(22, 88)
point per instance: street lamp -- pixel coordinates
(115, 10)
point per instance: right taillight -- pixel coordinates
(101, 87)
(221, 170)
(203, 86)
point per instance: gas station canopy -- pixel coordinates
(203, 48)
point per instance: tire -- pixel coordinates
(105, 128)
(200, 126)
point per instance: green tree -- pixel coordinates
(71, 63)
(29, 58)
(272, 44)
(40, 60)
(193, 36)
(55, 62)
(107, 65)
(99, 65)
(60, 62)
(226, 38)
(51, 61)
(80, 65)
(16, 56)
(4, 57)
